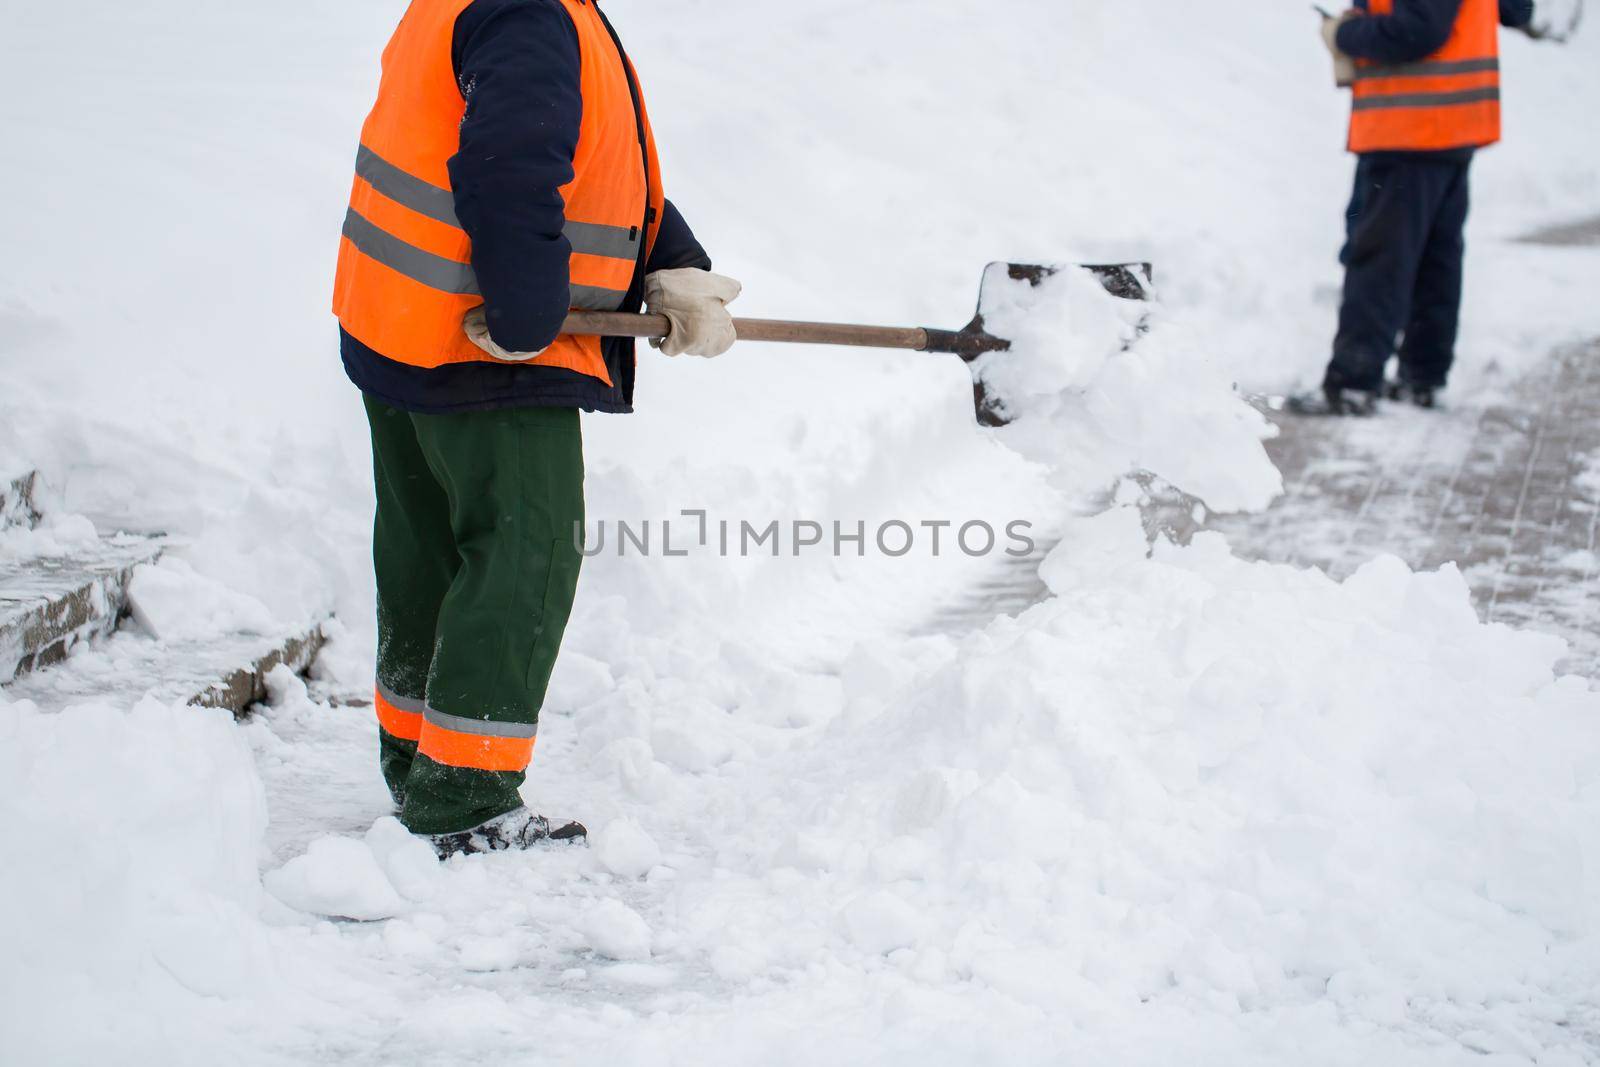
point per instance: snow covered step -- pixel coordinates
(246, 683)
(51, 605)
(16, 500)
(221, 671)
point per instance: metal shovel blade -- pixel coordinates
(1127, 281)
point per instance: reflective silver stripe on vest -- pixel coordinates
(1429, 68)
(594, 298)
(416, 707)
(480, 727)
(420, 265)
(1465, 96)
(596, 239)
(405, 188)
(425, 198)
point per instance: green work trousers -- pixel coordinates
(476, 551)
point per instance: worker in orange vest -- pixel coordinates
(1425, 80)
(506, 175)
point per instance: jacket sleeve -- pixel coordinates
(1417, 28)
(1515, 14)
(675, 244)
(517, 62)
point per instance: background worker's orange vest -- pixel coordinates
(1451, 99)
(405, 278)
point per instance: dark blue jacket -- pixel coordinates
(517, 64)
(1415, 29)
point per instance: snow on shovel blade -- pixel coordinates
(1007, 287)
(1011, 286)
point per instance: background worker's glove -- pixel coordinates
(1554, 20)
(696, 303)
(1344, 68)
(476, 327)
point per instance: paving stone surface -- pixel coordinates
(1509, 493)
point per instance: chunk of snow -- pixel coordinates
(615, 931)
(624, 848)
(880, 922)
(336, 876)
(410, 864)
(181, 604)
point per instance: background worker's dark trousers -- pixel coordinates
(1402, 259)
(477, 564)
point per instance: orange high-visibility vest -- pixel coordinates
(405, 277)
(1450, 99)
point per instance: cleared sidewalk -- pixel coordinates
(1509, 492)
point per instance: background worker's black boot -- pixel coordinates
(1423, 396)
(1332, 400)
(516, 829)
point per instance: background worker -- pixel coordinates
(506, 174)
(1425, 97)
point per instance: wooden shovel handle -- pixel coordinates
(626, 324)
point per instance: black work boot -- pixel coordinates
(1332, 400)
(1423, 396)
(516, 829)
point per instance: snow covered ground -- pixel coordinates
(1185, 807)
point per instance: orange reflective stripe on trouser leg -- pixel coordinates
(476, 743)
(398, 716)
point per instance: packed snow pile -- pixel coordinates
(134, 837)
(1185, 799)
(1238, 786)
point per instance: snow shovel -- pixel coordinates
(1129, 281)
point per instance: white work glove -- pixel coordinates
(1554, 20)
(696, 303)
(1344, 68)
(476, 327)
